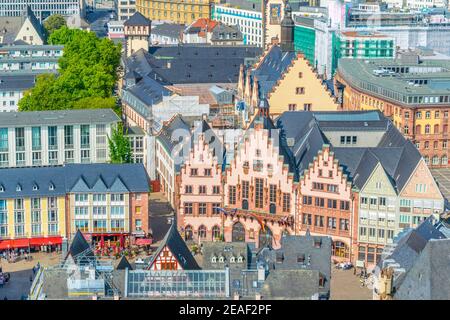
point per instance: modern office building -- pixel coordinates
(43, 8)
(244, 14)
(42, 138)
(379, 32)
(124, 9)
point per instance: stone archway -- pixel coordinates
(238, 232)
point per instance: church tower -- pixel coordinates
(137, 33)
(287, 29)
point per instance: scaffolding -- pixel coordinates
(177, 283)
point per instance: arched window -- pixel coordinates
(427, 129)
(427, 159)
(216, 232)
(435, 160)
(436, 128)
(188, 234)
(406, 130)
(202, 232)
(444, 160)
(418, 129)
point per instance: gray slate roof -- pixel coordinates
(291, 285)
(16, 82)
(58, 117)
(316, 251)
(170, 30)
(270, 70)
(189, 63)
(137, 19)
(59, 180)
(428, 278)
(226, 250)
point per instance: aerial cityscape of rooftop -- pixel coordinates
(230, 150)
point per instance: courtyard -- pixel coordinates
(347, 286)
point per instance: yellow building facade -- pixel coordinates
(32, 217)
(300, 88)
(297, 87)
(175, 11)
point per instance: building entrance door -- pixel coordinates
(238, 232)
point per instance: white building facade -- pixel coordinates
(43, 8)
(249, 22)
(43, 138)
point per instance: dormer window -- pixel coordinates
(240, 259)
(35, 187)
(221, 259)
(232, 259)
(2, 189)
(18, 187)
(214, 259)
(51, 187)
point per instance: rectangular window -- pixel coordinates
(188, 208)
(68, 137)
(208, 172)
(286, 202)
(187, 189)
(259, 188)
(343, 224)
(202, 189)
(36, 143)
(216, 189)
(194, 172)
(202, 208)
(318, 221)
(84, 136)
(232, 194)
(307, 200)
(52, 138)
(345, 205)
(320, 202)
(273, 193)
(20, 139)
(3, 139)
(332, 204)
(245, 189)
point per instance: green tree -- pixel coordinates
(87, 74)
(54, 22)
(119, 146)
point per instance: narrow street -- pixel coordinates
(161, 215)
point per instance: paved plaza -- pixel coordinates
(21, 271)
(347, 286)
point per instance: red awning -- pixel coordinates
(5, 244)
(12, 244)
(45, 241)
(143, 242)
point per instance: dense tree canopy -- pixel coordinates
(87, 74)
(53, 23)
